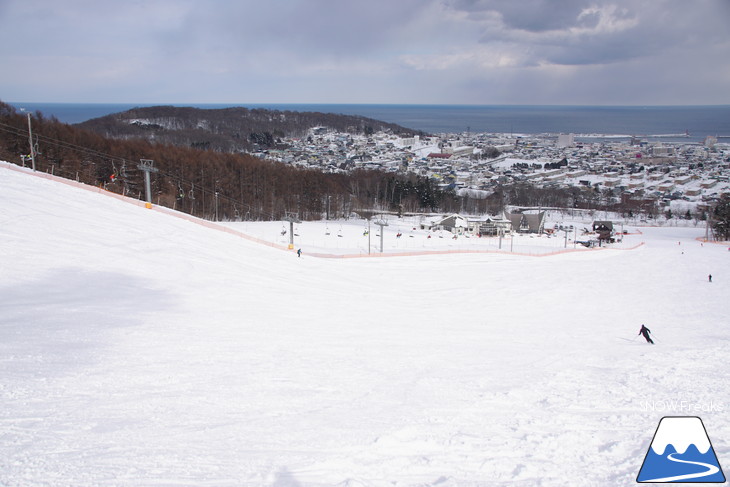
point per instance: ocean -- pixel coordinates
(671, 123)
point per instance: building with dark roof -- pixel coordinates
(527, 222)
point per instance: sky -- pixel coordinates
(575, 52)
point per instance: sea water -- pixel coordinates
(681, 123)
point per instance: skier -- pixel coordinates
(645, 331)
(299, 253)
(709, 277)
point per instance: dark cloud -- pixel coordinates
(528, 15)
(578, 32)
(407, 51)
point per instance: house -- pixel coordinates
(527, 222)
(604, 229)
(493, 225)
(439, 155)
(453, 223)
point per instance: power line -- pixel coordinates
(111, 158)
(61, 143)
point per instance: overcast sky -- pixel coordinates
(605, 52)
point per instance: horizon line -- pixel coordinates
(245, 104)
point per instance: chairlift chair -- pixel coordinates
(115, 173)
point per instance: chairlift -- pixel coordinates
(283, 230)
(339, 232)
(113, 175)
(191, 194)
(326, 229)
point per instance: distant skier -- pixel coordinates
(299, 253)
(645, 331)
(709, 277)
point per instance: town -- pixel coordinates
(672, 174)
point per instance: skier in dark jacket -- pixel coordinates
(645, 331)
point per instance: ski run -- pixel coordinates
(138, 348)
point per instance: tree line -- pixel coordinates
(235, 129)
(209, 183)
(233, 186)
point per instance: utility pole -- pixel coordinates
(292, 220)
(30, 139)
(368, 236)
(216, 204)
(146, 165)
(382, 224)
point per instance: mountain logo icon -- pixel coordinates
(681, 452)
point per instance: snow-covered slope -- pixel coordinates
(141, 349)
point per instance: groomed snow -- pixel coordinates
(140, 349)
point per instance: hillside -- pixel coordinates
(142, 349)
(207, 183)
(227, 129)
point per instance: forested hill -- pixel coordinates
(210, 184)
(227, 129)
